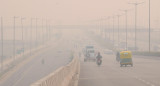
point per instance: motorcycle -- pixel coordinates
(99, 61)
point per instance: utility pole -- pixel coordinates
(46, 30)
(14, 38)
(118, 29)
(49, 30)
(2, 43)
(36, 43)
(113, 30)
(42, 33)
(22, 35)
(126, 12)
(136, 4)
(31, 37)
(109, 27)
(102, 27)
(105, 28)
(149, 27)
(126, 31)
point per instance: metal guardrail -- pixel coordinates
(63, 76)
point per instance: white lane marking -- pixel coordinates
(144, 81)
(136, 77)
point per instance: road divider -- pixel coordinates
(64, 76)
(143, 53)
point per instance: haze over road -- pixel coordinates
(55, 56)
(145, 72)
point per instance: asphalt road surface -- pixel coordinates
(145, 72)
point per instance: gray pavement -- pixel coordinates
(145, 72)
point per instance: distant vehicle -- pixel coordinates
(109, 52)
(87, 48)
(126, 58)
(89, 53)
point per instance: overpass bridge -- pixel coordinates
(52, 65)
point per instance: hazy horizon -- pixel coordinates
(78, 11)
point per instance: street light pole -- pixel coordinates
(118, 29)
(149, 28)
(2, 43)
(14, 37)
(109, 28)
(136, 4)
(49, 29)
(22, 35)
(113, 30)
(46, 29)
(36, 33)
(126, 12)
(31, 37)
(105, 28)
(126, 32)
(102, 26)
(42, 33)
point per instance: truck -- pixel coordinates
(89, 53)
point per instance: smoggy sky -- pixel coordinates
(76, 11)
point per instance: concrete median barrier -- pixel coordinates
(64, 76)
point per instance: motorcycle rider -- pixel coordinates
(99, 57)
(118, 56)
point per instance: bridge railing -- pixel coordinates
(64, 76)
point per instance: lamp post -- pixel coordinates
(22, 35)
(109, 27)
(2, 43)
(102, 27)
(36, 42)
(113, 30)
(126, 12)
(118, 29)
(31, 36)
(136, 4)
(105, 28)
(42, 33)
(149, 28)
(48, 29)
(14, 37)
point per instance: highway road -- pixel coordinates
(145, 72)
(54, 57)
